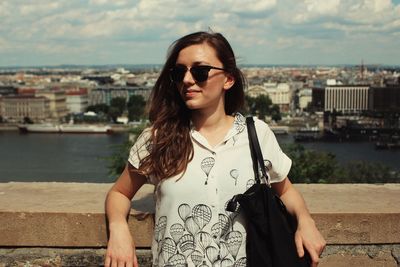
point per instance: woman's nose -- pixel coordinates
(188, 78)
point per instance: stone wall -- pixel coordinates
(63, 224)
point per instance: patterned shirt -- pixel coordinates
(192, 227)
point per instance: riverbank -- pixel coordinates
(115, 128)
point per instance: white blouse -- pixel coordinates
(192, 227)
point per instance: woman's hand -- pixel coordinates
(121, 248)
(307, 236)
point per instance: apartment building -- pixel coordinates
(16, 108)
(77, 100)
(57, 102)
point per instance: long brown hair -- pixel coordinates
(171, 145)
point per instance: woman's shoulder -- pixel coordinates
(145, 135)
(261, 126)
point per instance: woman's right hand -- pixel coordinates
(121, 248)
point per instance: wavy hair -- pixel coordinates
(171, 144)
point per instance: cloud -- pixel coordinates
(269, 27)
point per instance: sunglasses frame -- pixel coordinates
(193, 73)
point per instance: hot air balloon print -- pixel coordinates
(177, 260)
(216, 231)
(203, 240)
(184, 211)
(223, 250)
(197, 257)
(242, 262)
(204, 264)
(233, 242)
(226, 262)
(186, 244)
(212, 254)
(168, 248)
(206, 165)
(225, 222)
(191, 226)
(201, 215)
(159, 229)
(234, 174)
(176, 230)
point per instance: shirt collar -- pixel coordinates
(239, 124)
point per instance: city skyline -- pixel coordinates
(100, 32)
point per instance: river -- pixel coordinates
(82, 158)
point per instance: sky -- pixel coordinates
(99, 32)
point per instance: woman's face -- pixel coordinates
(210, 93)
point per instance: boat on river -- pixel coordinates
(64, 128)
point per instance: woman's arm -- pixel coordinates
(120, 248)
(307, 234)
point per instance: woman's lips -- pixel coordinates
(191, 93)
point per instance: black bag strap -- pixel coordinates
(256, 154)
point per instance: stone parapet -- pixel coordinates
(63, 223)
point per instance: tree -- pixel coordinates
(136, 105)
(275, 113)
(262, 106)
(27, 120)
(117, 107)
(309, 166)
(365, 172)
(117, 161)
(98, 108)
(119, 103)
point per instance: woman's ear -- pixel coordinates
(229, 82)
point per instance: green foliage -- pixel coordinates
(27, 120)
(118, 159)
(118, 104)
(365, 172)
(309, 166)
(99, 108)
(136, 105)
(262, 106)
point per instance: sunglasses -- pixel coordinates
(199, 73)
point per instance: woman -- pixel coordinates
(197, 154)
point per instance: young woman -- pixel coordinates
(197, 155)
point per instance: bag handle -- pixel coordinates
(256, 154)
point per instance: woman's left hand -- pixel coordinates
(307, 236)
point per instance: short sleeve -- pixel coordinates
(140, 149)
(275, 159)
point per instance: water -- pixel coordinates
(56, 157)
(81, 158)
(348, 151)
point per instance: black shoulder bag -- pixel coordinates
(270, 228)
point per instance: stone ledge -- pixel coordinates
(72, 214)
(333, 256)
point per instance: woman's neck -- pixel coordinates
(213, 126)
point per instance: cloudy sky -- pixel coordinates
(54, 32)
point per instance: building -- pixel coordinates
(304, 98)
(16, 108)
(57, 102)
(8, 90)
(346, 98)
(77, 100)
(384, 99)
(104, 94)
(279, 93)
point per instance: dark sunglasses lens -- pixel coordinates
(200, 73)
(177, 74)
